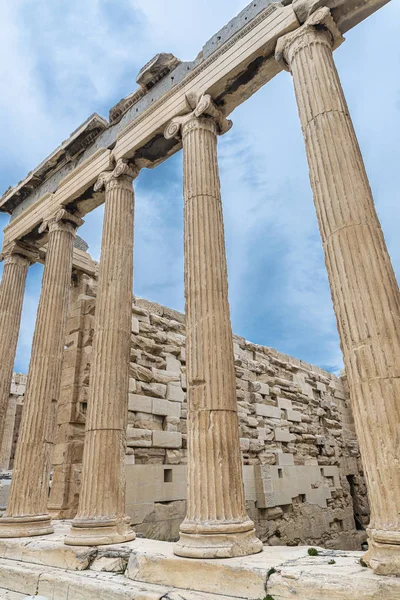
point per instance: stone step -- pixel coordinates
(21, 579)
(7, 595)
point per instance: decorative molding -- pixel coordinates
(202, 66)
(61, 216)
(123, 168)
(205, 106)
(19, 250)
(321, 18)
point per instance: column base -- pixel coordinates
(383, 557)
(218, 545)
(98, 533)
(15, 527)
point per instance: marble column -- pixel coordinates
(17, 259)
(26, 513)
(101, 517)
(364, 288)
(216, 523)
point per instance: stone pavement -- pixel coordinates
(147, 570)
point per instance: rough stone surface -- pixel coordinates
(12, 290)
(149, 570)
(26, 512)
(216, 522)
(101, 517)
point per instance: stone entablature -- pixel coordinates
(245, 46)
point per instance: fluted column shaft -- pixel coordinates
(26, 513)
(101, 514)
(12, 290)
(364, 288)
(216, 523)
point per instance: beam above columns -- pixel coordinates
(232, 66)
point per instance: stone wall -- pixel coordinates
(302, 469)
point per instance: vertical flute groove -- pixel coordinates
(102, 496)
(30, 482)
(12, 289)
(215, 486)
(364, 288)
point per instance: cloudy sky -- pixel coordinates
(62, 61)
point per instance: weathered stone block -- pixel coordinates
(285, 403)
(264, 410)
(135, 325)
(293, 415)
(167, 439)
(173, 364)
(138, 437)
(284, 435)
(140, 403)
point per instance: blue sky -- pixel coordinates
(62, 61)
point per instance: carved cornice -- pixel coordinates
(17, 251)
(320, 20)
(204, 107)
(123, 169)
(60, 218)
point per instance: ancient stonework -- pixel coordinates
(216, 523)
(101, 515)
(218, 440)
(27, 513)
(302, 472)
(364, 288)
(17, 259)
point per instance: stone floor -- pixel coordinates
(147, 570)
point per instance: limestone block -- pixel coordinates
(173, 364)
(284, 435)
(175, 392)
(166, 408)
(183, 381)
(137, 512)
(261, 388)
(135, 325)
(293, 415)
(284, 403)
(284, 459)
(265, 434)
(149, 483)
(138, 437)
(158, 390)
(244, 444)
(264, 410)
(140, 403)
(140, 373)
(132, 385)
(163, 376)
(167, 439)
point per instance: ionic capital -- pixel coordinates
(205, 107)
(19, 253)
(62, 220)
(125, 171)
(320, 25)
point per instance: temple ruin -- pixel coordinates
(136, 418)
